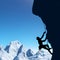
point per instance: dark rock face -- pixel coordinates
(49, 11)
(7, 48)
(29, 53)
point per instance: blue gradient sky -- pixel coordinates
(18, 23)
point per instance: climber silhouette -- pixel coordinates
(49, 12)
(41, 45)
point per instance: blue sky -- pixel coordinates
(18, 23)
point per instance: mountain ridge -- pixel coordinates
(15, 51)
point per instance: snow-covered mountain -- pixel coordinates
(29, 53)
(16, 51)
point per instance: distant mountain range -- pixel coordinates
(15, 51)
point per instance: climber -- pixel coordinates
(41, 45)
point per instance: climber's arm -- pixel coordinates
(43, 35)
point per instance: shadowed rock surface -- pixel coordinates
(49, 12)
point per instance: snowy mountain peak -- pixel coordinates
(16, 51)
(13, 48)
(29, 53)
(21, 50)
(15, 43)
